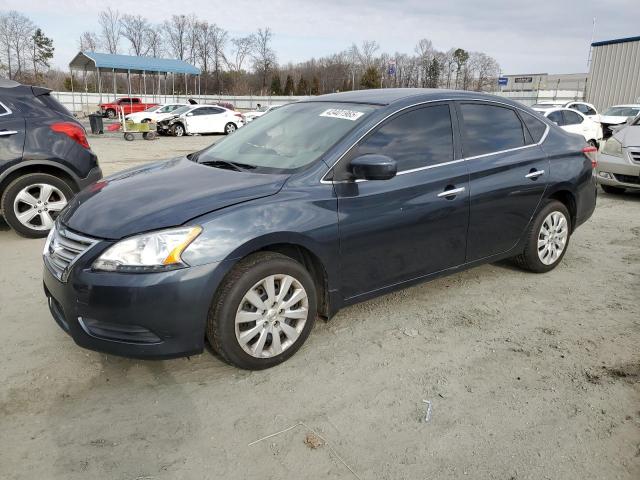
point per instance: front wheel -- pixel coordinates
(547, 239)
(31, 203)
(177, 130)
(263, 311)
(230, 128)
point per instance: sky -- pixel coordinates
(523, 36)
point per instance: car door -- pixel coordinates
(395, 230)
(206, 120)
(508, 175)
(194, 120)
(12, 135)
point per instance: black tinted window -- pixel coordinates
(590, 111)
(556, 117)
(536, 127)
(53, 104)
(571, 118)
(414, 139)
(489, 128)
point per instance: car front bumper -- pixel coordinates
(148, 315)
(622, 172)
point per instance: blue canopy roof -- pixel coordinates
(129, 63)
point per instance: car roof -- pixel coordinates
(389, 96)
(5, 83)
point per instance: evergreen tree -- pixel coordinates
(433, 73)
(315, 86)
(371, 78)
(288, 86)
(42, 50)
(303, 87)
(276, 88)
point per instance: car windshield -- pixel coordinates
(291, 137)
(622, 111)
(181, 110)
(153, 109)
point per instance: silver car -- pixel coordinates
(619, 160)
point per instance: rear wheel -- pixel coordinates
(547, 239)
(31, 203)
(612, 190)
(263, 312)
(230, 128)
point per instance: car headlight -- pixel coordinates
(149, 252)
(612, 147)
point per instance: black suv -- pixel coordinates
(45, 158)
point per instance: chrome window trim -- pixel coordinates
(427, 167)
(8, 110)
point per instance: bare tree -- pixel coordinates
(264, 58)
(16, 37)
(240, 51)
(88, 42)
(177, 31)
(154, 40)
(135, 29)
(109, 21)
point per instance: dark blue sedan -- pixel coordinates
(318, 205)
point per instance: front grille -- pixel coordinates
(64, 248)
(634, 179)
(635, 155)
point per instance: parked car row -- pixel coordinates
(198, 119)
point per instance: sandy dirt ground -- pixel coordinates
(528, 377)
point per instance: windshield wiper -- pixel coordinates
(238, 167)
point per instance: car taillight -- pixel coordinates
(591, 153)
(72, 130)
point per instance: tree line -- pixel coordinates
(241, 65)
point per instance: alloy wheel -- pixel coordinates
(230, 128)
(552, 238)
(37, 206)
(271, 316)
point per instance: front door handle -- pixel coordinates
(6, 133)
(533, 174)
(451, 192)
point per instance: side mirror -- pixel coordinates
(373, 167)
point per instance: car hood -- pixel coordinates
(629, 136)
(161, 195)
(612, 119)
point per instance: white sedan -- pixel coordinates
(250, 116)
(617, 115)
(585, 108)
(155, 113)
(576, 122)
(197, 119)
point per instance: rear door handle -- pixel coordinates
(533, 174)
(452, 192)
(6, 133)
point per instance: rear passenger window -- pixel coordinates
(489, 128)
(536, 127)
(571, 118)
(415, 139)
(556, 117)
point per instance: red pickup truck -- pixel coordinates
(130, 105)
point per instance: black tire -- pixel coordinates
(129, 137)
(229, 128)
(221, 332)
(593, 143)
(529, 258)
(11, 192)
(111, 113)
(177, 130)
(612, 190)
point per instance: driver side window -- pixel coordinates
(418, 138)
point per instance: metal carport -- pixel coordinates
(128, 64)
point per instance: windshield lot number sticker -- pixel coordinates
(344, 114)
